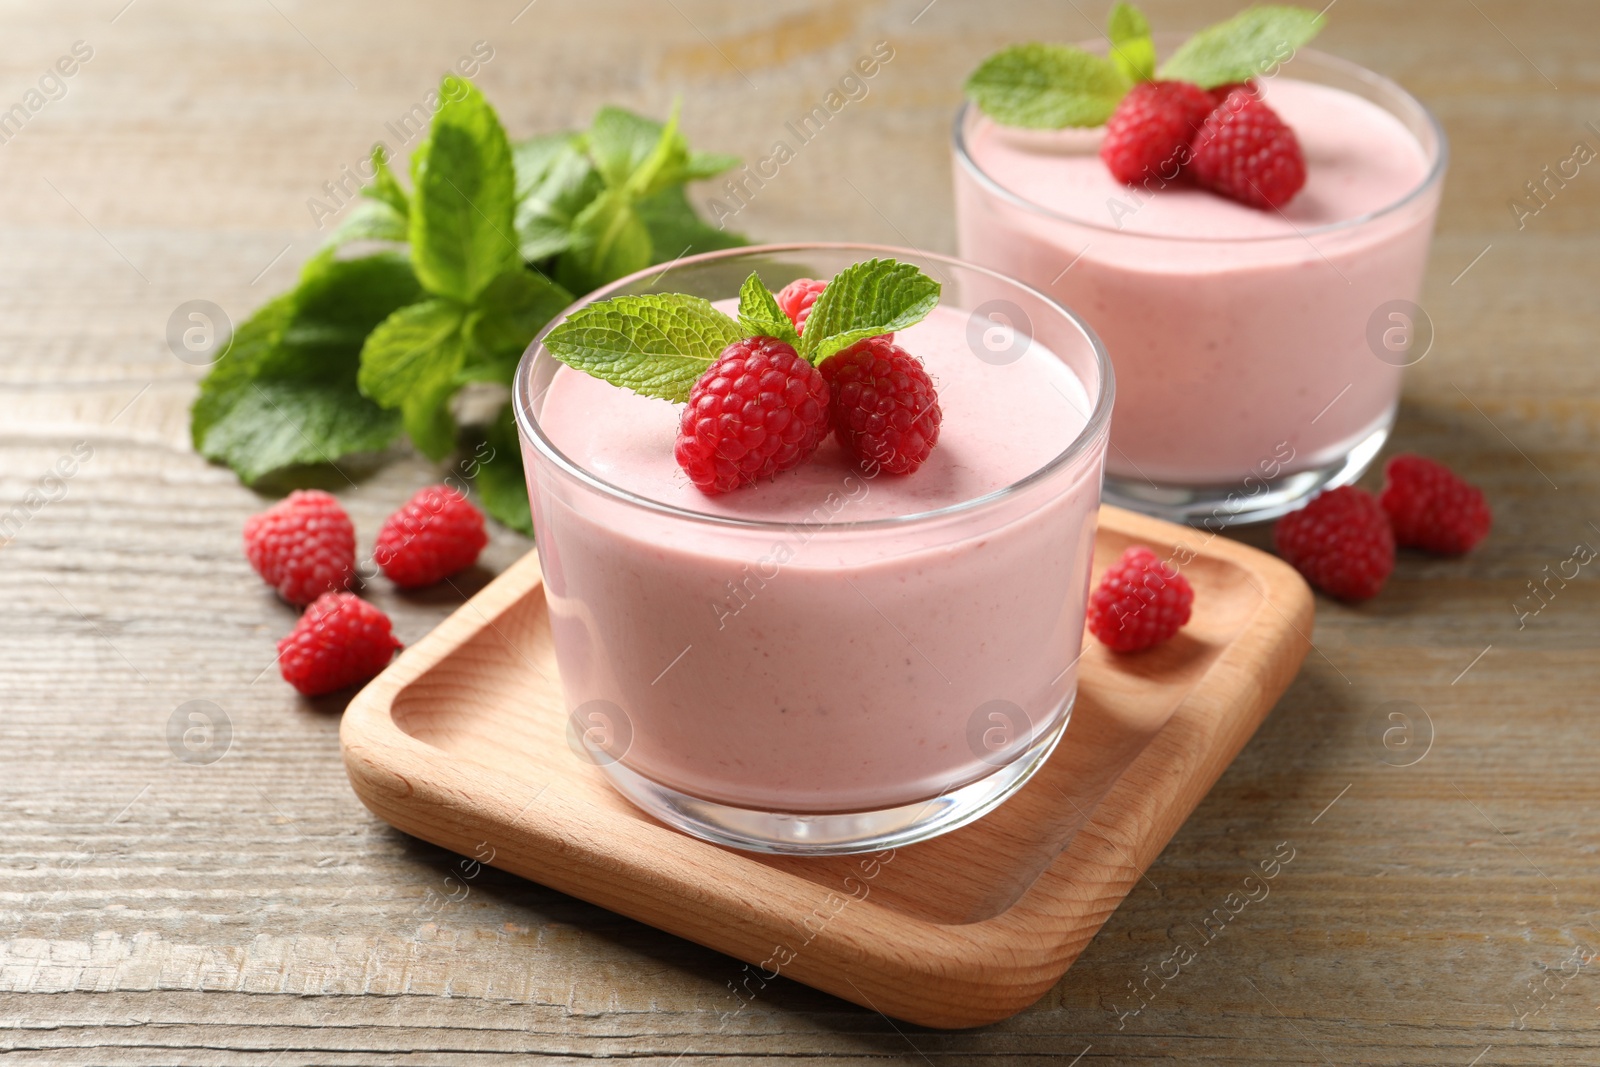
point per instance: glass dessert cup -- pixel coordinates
(823, 682)
(1253, 371)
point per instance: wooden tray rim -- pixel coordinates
(1038, 936)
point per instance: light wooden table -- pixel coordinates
(157, 911)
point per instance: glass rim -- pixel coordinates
(1097, 425)
(1356, 71)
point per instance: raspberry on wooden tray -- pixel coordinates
(1140, 602)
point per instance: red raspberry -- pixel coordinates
(1219, 93)
(1431, 507)
(435, 534)
(339, 641)
(885, 408)
(1340, 542)
(797, 298)
(758, 410)
(1140, 602)
(1148, 135)
(304, 545)
(1247, 153)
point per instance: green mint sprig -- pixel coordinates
(864, 300)
(656, 345)
(1047, 86)
(760, 315)
(1132, 49)
(491, 243)
(1052, 86)
(1246, 46)
(659, 345)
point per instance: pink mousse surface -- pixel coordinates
(791, 668)
(627, 439)
(1232, 330)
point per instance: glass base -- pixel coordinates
(1217, 506)
(834, 833)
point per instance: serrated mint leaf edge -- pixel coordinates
(817, 346)
(1075, 105)
(760, 314)
(593, 340)
(1189, 62)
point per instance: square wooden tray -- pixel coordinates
(462, 742)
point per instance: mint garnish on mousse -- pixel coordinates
(764, 388)
(1199, 117)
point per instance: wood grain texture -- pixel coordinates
(463, 741)
(252, 911)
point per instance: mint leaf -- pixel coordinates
(635, 153)
(864, 300)
(259, 425)
(411, 362)
(284, 395)
(611, 202)
(619, 142)
(1249, 45)
(382, 214)
(499, 477)
(760, 314)
(533, 157)
(666, 163)
(703, 165)
(411, 350)
(510, 312)
(1046, 86)
(1132, 50)
(556, 181)
(609, 241)
(461, 221)
(369, 220)
(656, 345)
(336, 305)
(219, 390)
(676, 231)
(269, 425)
(646, 156)
(384, 188)
(425, 411)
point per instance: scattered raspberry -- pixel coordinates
(1140, 602)
(1340, 542)
(1246, 152)
(303, 546)
(1148, 135)
(885, 408)
(339, 641)
(797, 298)
(1431, 507)
(759, 409)
(433, 535)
